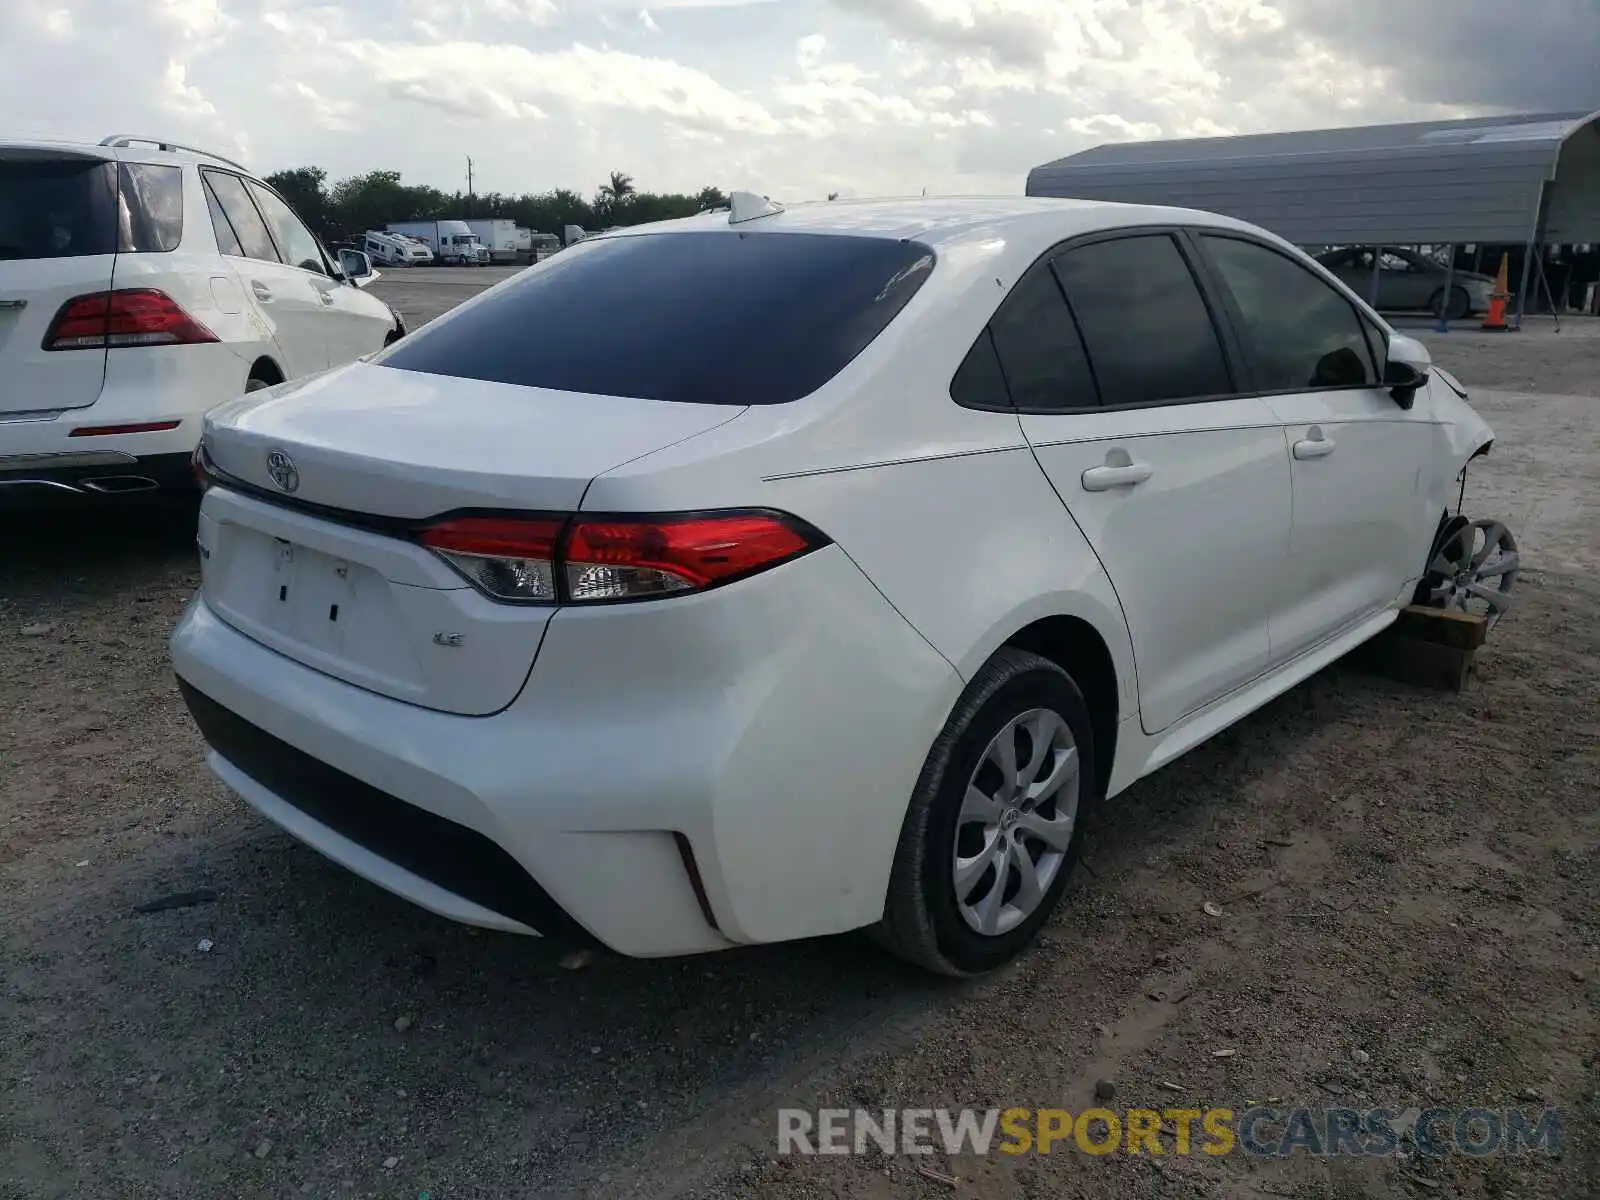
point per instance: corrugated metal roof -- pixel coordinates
(1476, 180)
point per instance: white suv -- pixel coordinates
(141, 284)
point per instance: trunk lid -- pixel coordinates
(58, 240)
(391, 443)
(349, 592)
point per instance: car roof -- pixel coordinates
(140, 151)
(943, 222)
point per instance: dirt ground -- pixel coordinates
(1408, 886)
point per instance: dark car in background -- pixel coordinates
(1408, 280)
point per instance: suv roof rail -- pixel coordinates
(118, 140)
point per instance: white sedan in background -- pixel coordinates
(773, 573)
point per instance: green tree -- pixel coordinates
(618, 188)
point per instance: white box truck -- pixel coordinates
(453, 243)
(499, 234)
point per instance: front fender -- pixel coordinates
(1466, 434)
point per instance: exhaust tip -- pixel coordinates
(120, 484)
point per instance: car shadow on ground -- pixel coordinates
(92, 550)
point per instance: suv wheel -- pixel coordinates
(995, 824)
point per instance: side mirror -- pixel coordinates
(357, 267)
(1407, 369)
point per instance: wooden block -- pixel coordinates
(1443, 626)
(1411, 660)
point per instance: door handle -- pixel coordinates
(262, 291)
(1315, 445)
(325, 297)
(14, 304)
(1116, 474)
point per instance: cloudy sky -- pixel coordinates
(795, 98)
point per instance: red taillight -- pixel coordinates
(509, 558)
(200, 464)
(626, 559)
(583, 560)
(130, 317)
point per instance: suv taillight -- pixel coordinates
(129, 317)
(584, 560)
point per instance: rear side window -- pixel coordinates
(1147, 329)
(150, 214)
(57, 209)
(979, 382)
(701, 318)
(245, 228)
(1039, 348)
(1298, 332)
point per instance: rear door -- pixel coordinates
(1358, 461)
(1181, 486)
(58, 241)
(283, 294)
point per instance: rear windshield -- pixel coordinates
(72, 209)
(57, 209)
(702, 318)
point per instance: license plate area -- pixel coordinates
(330, 612)
(312, 597)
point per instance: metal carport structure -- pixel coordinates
(1527, 179)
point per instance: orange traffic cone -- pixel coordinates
(1495, 319)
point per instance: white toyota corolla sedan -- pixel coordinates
(775, 573)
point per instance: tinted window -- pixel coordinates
(297, 245)
(1038, 345)
(227, 243)
(978, 383)
(249, 232)
(57, 209)
(707, 318)
(1297, 331)
(1148, 332)
(150, 217)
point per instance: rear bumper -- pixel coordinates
(95, 477)
(44, 458)
(774, 727)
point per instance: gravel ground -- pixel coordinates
(1407, 880)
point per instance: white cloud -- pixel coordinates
(510, 80)
(797, 99)
(538, 12)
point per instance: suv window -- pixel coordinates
(57, 208)
(702, 318)
(150, 216)
(297, 244)
(246, 232)
(1038, 346)
(1148, 332)
(1297, 331)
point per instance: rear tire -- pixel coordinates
(255, 385)
(1012, 847)
(1459, 307)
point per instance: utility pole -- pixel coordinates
(469, 185)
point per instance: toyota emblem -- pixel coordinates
(282, 470)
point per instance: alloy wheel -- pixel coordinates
(1016, 821)
(1475, 570)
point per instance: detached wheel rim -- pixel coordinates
(1476, 569)
(1016, 822)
